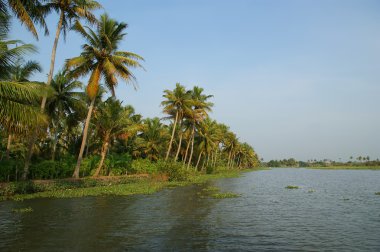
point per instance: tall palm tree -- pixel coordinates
(101, 58)
(176, 104)
(65, 101)
(68, 11)
(201, 107)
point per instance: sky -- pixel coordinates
(294, 78)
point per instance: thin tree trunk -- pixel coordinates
(103, 155)
(180, 142)
(199, 159)
(187, 150)
(43, 103)
(192, 148)
(9, 146)
(54, 145)
(171, 139)
(85, 131)
(229, 159)
(53, 53)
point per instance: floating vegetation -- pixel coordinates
(211, 189)
(377, 193)
(345, 199)
(23, 210)
(292, 187)
(311, 191)
(225, 195)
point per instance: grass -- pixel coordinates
(119, 186)
(292, 187)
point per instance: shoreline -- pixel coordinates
(106, 186)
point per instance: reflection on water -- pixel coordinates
(333, 210)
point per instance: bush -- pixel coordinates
(143, 166)
(174, 170)
(118, 164)
(49, 169)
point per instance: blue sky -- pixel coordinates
(292, 78)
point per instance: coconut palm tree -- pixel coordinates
(21, 72)
(68, 11)
(101, 58)
(66, 100)
(111, 120)
(176, 104)
(28, 12)
(150, 143)
(201, 107)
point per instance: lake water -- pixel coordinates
(334, 210)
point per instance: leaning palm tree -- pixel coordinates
(101, 58)
(176, 104)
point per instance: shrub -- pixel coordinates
(174, 170)
(143, 166)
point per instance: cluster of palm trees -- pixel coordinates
(64, 117)
(196, 138)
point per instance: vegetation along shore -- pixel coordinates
(65, 128)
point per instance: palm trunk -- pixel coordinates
(192, 148)
(199, 159)
(103, 155)
(180, 142)
(229, 159)
(43, 103)
(52, 59)
(171, 139)
(85, 131)
(8, 146)
(54, 145)
(187, 150)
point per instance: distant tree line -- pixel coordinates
(291, 162)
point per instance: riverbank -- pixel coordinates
(117, 185)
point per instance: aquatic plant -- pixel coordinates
(23, 210)
(292, 187)
(225, 195)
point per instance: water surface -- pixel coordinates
(332, 210)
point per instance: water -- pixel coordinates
(333, 210)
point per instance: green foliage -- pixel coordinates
(118, 164)
(174, 170)
(9, 169)
(143, 166)
(292, 187)
(49, 169)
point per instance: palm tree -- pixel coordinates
(101, 58)
(28, 12)
(150, 141)
(111, 120)
(176, 104)
(68, 11)
(201, 107)
(21, 72)
(65, 101)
